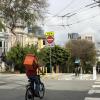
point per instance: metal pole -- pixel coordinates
(81, 73)
(94, 72)
(50, 62)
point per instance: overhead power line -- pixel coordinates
(77, 22)
(89, 6)
(70, 14)
(65, 7)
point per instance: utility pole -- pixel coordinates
(50, 43)
(94, 71)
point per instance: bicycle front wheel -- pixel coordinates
(29, 94)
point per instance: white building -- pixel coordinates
(88, 34)
(8, 40)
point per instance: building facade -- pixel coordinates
(73, 36)
(88, 37)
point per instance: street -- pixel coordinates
(12, 87)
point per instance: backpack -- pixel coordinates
(29, 60)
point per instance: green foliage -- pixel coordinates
(59, 56)
(2, 26)
(26, 10)
(17, 54)
(84, 50)
(30, 49)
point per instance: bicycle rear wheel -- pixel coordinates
(41, 90)
(29, 94)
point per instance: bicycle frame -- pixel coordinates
(30, 89)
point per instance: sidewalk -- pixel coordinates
(98, 77)
(68, 76)
(56, 76)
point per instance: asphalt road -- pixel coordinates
(13, 89)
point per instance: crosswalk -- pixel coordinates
(10, 86)
(94, 92)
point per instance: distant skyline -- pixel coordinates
(85, 18)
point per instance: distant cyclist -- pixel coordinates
(32, 67)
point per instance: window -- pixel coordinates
(88, 38)
(43, 42)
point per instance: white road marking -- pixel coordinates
(94, 86)
(88, 98)
(93, 91)
(97, 82)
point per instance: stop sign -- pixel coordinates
(50, 39)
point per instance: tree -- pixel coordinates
(17, 55)
(27, 11)
(83, 50)
(59, 57)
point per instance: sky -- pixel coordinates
(85, 18)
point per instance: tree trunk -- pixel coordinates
(61, 68)
(57, 68)
(14, 33)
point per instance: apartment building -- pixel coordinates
(8, 40)
(73, 36)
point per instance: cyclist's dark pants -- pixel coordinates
(36, 80)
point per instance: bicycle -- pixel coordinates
(30, 90)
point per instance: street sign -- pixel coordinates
(50, 39)
(50, 43)
(77, 61)
(49, 34)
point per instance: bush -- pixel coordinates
(17, 55)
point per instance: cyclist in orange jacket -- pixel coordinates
(32, 71)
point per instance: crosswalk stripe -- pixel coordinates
(88, 98)
(93, 91)
(94, 86)
(96, 91)
(97, 82)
